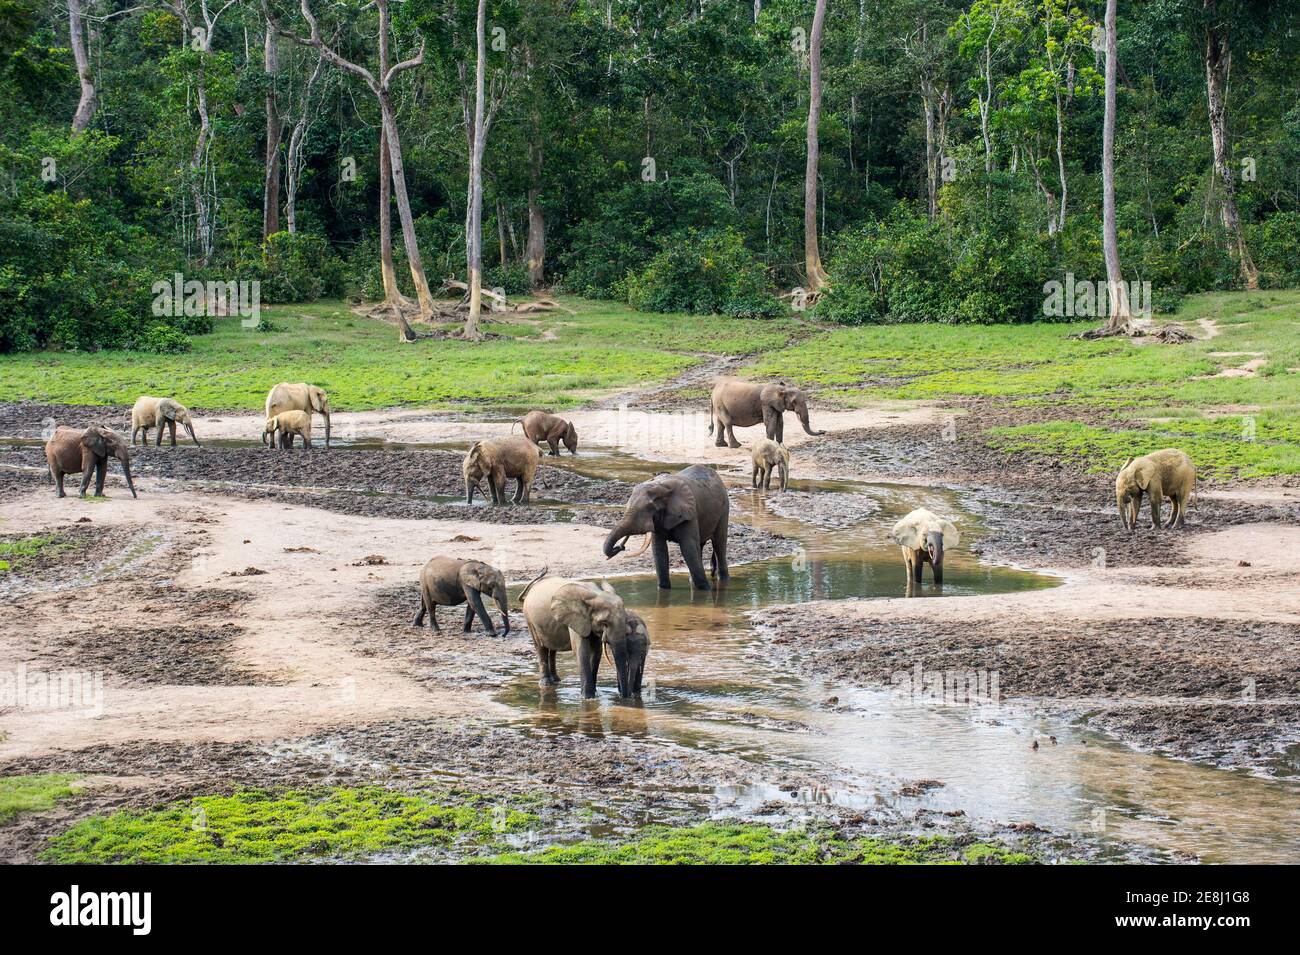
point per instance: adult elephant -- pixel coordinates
(72, 451)
(573, 615)
(742, 404)
(687, 508)
(299, 397)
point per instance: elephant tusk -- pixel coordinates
(644, 546)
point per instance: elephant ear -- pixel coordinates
(907, 533)
(168, 409)
(679, 506)
(94, 440)
(320, 401)
(472, 574)
(1144, 472)
(570, 605)
(950, 536)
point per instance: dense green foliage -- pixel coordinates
(655, 139)
(20, 794)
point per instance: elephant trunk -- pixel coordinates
(469, 490)
(803, 420)
(126, 470)
(326, 413)
(190, 428)
(476, 601)
(616, 540)
(1123, 511)
(621, 670)
(503, 604)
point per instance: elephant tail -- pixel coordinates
(524, 593)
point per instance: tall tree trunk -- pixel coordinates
(501, 233)
(294, 160)
(535, 246)
(1218, 64)
(1120, 320)
(393, 296)
(1060, 161)
(87, 104)
(931, 152)
(274, 133)
(409, 239)
(472, 331)
(817, 278)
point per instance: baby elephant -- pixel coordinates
(1168, 473)
(541, 426)
(72, 451)
(288, 423)
(922, 536)
(499, 461)
(149, 412)
(767, 455)
(449, 582)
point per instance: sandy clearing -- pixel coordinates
(654, 435)
(291, 631)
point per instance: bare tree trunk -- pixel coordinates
(1060, 161)
(392, 293)
(274, 133)
(1120, 320)
(931, 152)
(535, 246)
(294, 160)
(501, 233)
(817, 278)
(1218, 64)
(409, 239)
(472, 331)
(87, 104)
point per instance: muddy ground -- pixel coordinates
(250, 615)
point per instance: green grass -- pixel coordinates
(604, 347)
(15, 551)
(251, 826)
(32, 793)
(754, 844)
(1231, 426)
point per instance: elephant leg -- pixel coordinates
(588, 665)
(101, 472)
(555, 447)
(918, 568)
(693, 554)
(661, 561)
(519, 489)
(938, 573)
(1156, 501)
(753, 477)
(543, 665)
(433, 619)
(58, 479)
(171, 426)
(720, 552)
(719, 440)
(550, 666)
(767, 480)
(731, 436)
(418, 619)
(469, 618)
(528, 490)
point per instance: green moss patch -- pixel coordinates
(15, 551)
(32, 793)
(755, 844)
(256, 826)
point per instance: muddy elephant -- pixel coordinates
(161, 413)
(299, 397)
(1168, 473)
(768, 456)
(688, 508)
(449, 582)
(499, 461)
(922, 535)
(540, 426)
(73, 451)
(288, 424)
(742, 404)
(573, 615)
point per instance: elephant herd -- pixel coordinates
(688, 509)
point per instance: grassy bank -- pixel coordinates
(1230, 400)
(19, 794)
(554, 360)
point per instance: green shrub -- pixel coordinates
(1275, 244)
(297, 267)
(161, 339)
(704, 273)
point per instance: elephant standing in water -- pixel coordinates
(574, 615)
(742, 404)
(299, 397)
(688, 508)
(161, 413)
(72, 451)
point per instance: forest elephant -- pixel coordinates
(742, 404)
(499, 461)
(688, 508)
(73, 451)
(150, 412)
(289, 424)
(1168, 473)
(299, 397)
(922, 535)
(449, 582)
(768, 456)
(573, 615)
(541, 426)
